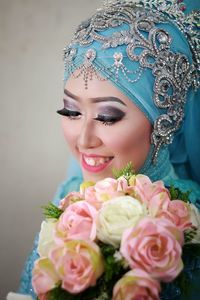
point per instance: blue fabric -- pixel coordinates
(184, 151)
(191, 5)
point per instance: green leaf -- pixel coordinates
(59, 294)
(127, 171)
(189, 234)
(51, 211)
(176, 193)
(113, 268)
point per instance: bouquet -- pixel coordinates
(116, 239)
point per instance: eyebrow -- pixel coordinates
(96, 99)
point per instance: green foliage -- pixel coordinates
(127, 171)
(90, 294)
(178, 194)
(189, 234)
(113, 268)
(51, 211)
(59, 294)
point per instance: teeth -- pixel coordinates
(90, 161)
(102, 160)
(96, 161)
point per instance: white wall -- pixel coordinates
(33, 158)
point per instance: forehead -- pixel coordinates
(96, 89)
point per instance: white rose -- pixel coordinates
(46, 239)
(15, 296)
(117, 215)
(195, 219)
(195, 216)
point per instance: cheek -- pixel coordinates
(123, 139)
(70, 133)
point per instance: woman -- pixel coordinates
(131, 94)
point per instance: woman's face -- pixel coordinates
(103, 128)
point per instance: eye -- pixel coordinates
(108, 120)
(71, 114)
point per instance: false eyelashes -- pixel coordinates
(108, 116)
(68, 113)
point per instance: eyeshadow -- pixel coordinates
(69, 104)
(110, 110)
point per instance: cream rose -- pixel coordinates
(195, 216)
(46, 237)
(195, 219)
(117, 215)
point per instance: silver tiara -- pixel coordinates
(173, 73)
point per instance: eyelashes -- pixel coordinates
(110, 115)
(108, 120)
(71, 114)
(104, 119)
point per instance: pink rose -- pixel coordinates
(105, 190)
(154, 245)
(158, 187)
(157, 192)
(139, 186)
(122, 184)
(44, 276)
(78, 221)
(108, 188)
(180, 214)
(84, 186)
(79, 264)
(90, 197)
(158, 203)
(144, 190)
(176, 211)
(70, 199)
(136, 284)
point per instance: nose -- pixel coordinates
(88, 137)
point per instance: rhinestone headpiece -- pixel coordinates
(172, 72)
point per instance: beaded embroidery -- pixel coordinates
(173, 73)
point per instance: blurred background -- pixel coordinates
(34, 156)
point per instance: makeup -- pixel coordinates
(68, 113)
(95, 163)
(109, 115)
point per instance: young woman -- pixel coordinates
(131, 94)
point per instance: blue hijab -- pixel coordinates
(182, 157)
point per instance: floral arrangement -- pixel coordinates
(115, 239)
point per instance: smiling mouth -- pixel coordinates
(95, 163)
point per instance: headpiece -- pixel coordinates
(125, 39)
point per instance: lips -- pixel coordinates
(95, 163)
